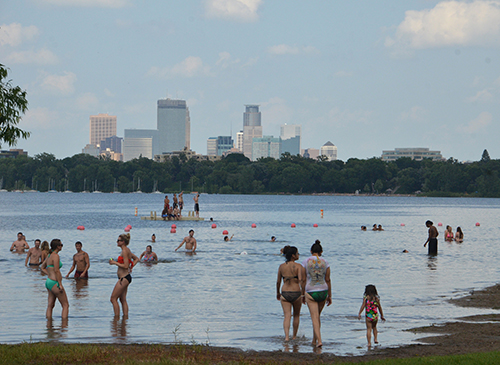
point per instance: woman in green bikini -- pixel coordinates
(316, 288)
(52, 265)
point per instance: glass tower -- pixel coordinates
(174, 125)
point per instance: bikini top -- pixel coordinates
(121, 261)
(290, 277)
(60, 263)
(149, 257)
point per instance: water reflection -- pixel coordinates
(432, 262)
(119, 328)
(55, 333)
(80, 288)
(294, 347)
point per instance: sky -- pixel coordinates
(366, 75)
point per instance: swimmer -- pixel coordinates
(125, 265)
(448, 234)
(190, 242)
(34, 255)
(54, 281)
(432, 238)
(291, 293)
(273, 239)
(227, 239)
(363, 228)
(81, 261)
(153, 238)
(374, 227)
(149, 255)
(405, 251)
(20, 244)
(459, 236)
(45, 250)
(379, 228)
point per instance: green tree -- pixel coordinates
(13, 104)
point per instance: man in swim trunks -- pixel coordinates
(81, 261)
(34, 255)
(20, 244)
(432, 239)
(181, 202)
(196, 205)
(190, 242)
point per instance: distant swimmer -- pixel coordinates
(459, 236)
(227, 239)
(405, 251)
(153, 238)
(273, 239)
(379, 228)
(148, 255)
(196, 205)
(448, 234)
(190, 242)
(81, 261)
(363, 228)
(34, 255)
(374, 227)
(20, 244)
(432, 239)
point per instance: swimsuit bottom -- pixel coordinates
(49, 284)
(78, 274)
(30, 264)
(128, 277)
(291, 296)
(371, 317)
(319, 296)
(196, 207)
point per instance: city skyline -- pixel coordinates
(369, 76)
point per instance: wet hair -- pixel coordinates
(20, 233)
(429, 223)
(289, 251)
(316, 247)
(226, 238)
(45, 246)
(461, 234)
(54, 244)
(38, 240)
(371, 291)
(191, 230)
(151, 247)
(78, 243)
(272, 237)
(125, 237)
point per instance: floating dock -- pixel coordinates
(157, 217)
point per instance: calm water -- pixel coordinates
(227, 298)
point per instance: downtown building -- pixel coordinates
(102, 126)
(417, 154)
(252, 128)
(290, 139)
(329, 150)
(173, 125)
(267, 146)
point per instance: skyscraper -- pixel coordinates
(239, 141)
(290, 139)
(140, 142)
(252, 128)
(174, 125)
(212, 146)
(266, 146)
(102, 126)
(329, 150)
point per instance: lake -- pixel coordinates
(225, 295)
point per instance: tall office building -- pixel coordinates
(113, 143)
(224, 144)
(102, 126)
(252, 128)
(329, 150)
(174, 125)
(290, 139)
(239, 141)
(140, 142)
(266, 146)
(212, 146)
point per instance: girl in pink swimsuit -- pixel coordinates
(371, 305)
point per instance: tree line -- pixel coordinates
(237, 174)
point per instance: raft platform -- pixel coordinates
(157, 217)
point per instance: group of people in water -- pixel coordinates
(309, 283)
(374, 227)
(47, 258)
(174, 211)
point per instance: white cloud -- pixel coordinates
(283, 49)
(243, 10)
(40, 118)
(15, 34)
(87, 101)
(481, 96)
(449, 23)
(60, 84)
(90, 3)
(41, 57)
(416, 113)
(225, 60)
(478, 124)
(190, 67)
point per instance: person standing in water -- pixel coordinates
(20, 244)
(316, 288)
(54, 281)
(371, 305)
(34, 255)
(290, 297)
(190, 242)
(125, 265)
(81, 261)
(196, 205)
(432, 239)
(181, 202)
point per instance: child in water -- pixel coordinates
(371, 304)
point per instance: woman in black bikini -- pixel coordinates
(125, 265)
(291, 293)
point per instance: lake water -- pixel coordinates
(223, 297)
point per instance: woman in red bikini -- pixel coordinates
(125, 264)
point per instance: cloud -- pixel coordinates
(60, 84)
(478, 124)
(40, 118)
(87, 101)
(190, 67)
(41, 57)
(449, 23)
(90, 3)
(276, 112)
(15, 34)
(481, 96)
(283, 49)
(225, 60)
(240, 10)
(416, 113)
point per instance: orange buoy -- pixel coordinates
(173, 230)
(315, 225)
(477, 224)
(127, 229)
(293, 225)
(214, 225)
(440, 224)
(402, 224)
(225, 232)
(174, 226)
(254, 225)
(80, 228)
